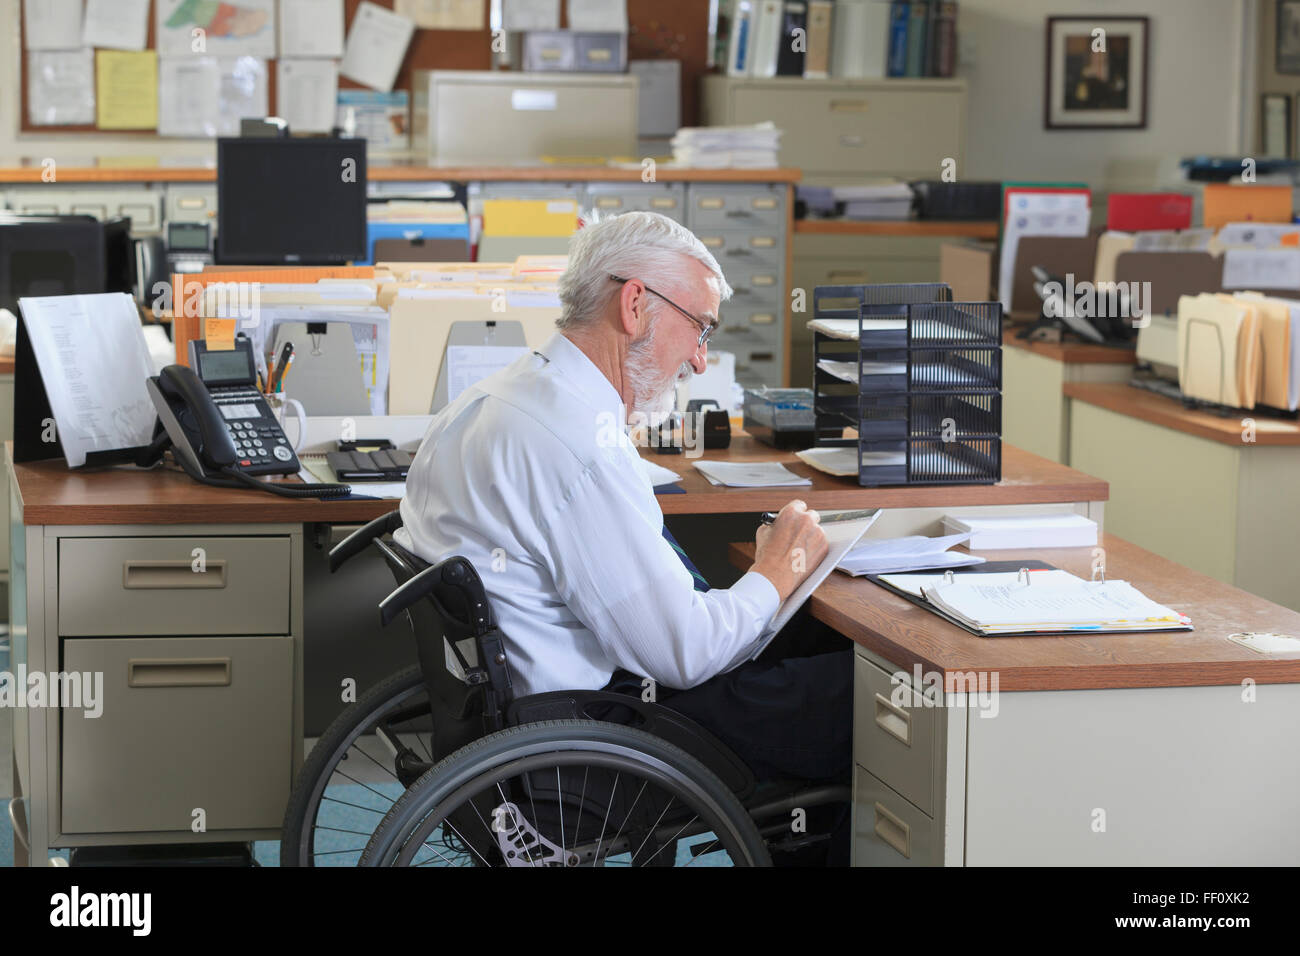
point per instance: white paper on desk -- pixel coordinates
(305, 92)
(1260, 235)
(658, 474)
(52, 24)
(598, 16)
(1261, 268)
(469, 364)
(521, 15)
(311, 28)
(94, 361)
(375, 47)
(1037, 214)
(443, 14)
(243, 92)
(116, 24)
(750, 474)
(241, 28)
(189, 96)
(61, 87)
(841, 536)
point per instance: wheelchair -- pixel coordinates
(441, 764)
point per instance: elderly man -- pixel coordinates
(519, 476)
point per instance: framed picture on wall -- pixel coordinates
(1288, 36)
(1275, 125)
(1096, 73)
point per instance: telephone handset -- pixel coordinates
(220, 428)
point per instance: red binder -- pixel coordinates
(1133, 212)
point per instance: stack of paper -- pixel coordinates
(1034, 602)
(418, 210)
(716, 147)
(884, 200)
(749, 474)
(1024, 531)
(912, 553)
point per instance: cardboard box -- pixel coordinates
(969, 269)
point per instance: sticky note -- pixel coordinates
(219, 334)
(126, 88)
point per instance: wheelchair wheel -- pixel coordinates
(567, 793)
(354, 774)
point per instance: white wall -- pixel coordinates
(1196, 90)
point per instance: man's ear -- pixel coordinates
(630, 310)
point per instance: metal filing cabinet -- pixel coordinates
(141, 203)
(191, 202)
(667, 199)
(744, 226)
(200, 657)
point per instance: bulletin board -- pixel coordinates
(658, 30)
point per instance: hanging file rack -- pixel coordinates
(918, 376)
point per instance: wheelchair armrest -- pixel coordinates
(455, 575)
(360, 539)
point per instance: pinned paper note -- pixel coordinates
(375, 47)
(219, 334)
(189, 96)
(305, 92)
(116, 24)
(61, 87)
(443, 14)
(126, 87)
(52, 25)
(311, 28)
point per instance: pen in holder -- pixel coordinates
(279, 404)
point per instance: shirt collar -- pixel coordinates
(579, 372)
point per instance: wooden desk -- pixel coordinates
(80, 533)
(1104, 750)
(1035, 413)
(1218, 494)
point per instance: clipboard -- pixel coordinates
(491, 333)
(326, 372)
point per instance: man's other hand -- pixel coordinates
(790, 548)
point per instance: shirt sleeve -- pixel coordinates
(613, 568)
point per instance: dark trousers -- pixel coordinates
(787, 714)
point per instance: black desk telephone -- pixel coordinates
(218, 424)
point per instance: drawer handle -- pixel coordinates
(172, 575)
(178, 672)
(893, 831)
(848, 106)
(664, 203)
(852, 141)
(893, 720)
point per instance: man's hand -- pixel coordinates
(790, 548)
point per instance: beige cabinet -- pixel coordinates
(845, 130)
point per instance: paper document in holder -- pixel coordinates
(474, 351)
(325, 375)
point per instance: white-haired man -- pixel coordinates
(518, 476)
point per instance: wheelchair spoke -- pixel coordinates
(360, 783)
(650, 832)
(581, 798)
(707, 849)
(559, 793)
(356, 806)
(627, 816)
(609, 806)
(321, 826)
(448, 823)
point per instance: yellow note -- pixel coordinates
(219, 334)
(126, 89)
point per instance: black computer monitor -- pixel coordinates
(291, 201)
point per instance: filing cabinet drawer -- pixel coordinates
(186, 723)
(754, 282)
(667, 199)
(738, 248)
(144, 586)
(760, 208)
(894, 742)
(889, 831)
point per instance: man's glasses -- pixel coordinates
(706, 328)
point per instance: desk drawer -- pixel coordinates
(889, 831)
(186, 723)
(145, 586)
(895, 743)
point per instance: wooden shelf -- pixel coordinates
(400, 173)
(1159, 410)
(1072, 353)
(967, 229)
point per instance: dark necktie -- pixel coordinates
(700, 583)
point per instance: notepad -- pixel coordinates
(911, 553)
(750, 474)
(1038, 602)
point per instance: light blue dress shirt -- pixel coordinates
(530, 475)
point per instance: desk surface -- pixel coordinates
(53, 495)
(1074, 353)
(906, 635)
(1159, 410)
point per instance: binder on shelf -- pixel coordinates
(860, 43)
(817, 63)
(900, 16)
(768, 20)
(793, 48)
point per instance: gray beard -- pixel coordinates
(653, 393)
